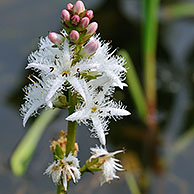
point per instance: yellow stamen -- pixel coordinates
(94, 108)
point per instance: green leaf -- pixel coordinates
(132, 183)
(134, 86)
(178, 10)
(22, 155)
(150, 33)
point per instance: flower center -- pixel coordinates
(94, 108)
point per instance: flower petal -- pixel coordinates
(40, 67)
(77, 85)
(78, 116)
(56, 85)
(99, 130)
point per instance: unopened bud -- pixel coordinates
(84, 22)
(65, 15)
(74, 36)
(55, 38)
(75, 19)
(91, 29)
(90, 14)
(69, 7)
(79, 7)
(90, 48)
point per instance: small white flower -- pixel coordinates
(65, 169)
(35, 98)
(55, 65)
(109, 164)
(98, 109)
(108, 65)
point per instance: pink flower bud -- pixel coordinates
(84, 22)
(91, 29)
(74, 36)
(90, 14)
(65, 15)
(90, 48)
(55, 38)
(79, 7)
(69, 7)
(75, 19)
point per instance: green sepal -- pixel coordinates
(93, 162)
(58, 152)
(94, 170)
(62, 102)
(83, 13)
(55, 157)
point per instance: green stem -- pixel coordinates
(60, 189)
(150, 41)
(72, 126)
(71, 135)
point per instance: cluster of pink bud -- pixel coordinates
(76, 21)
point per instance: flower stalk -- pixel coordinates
(72, 126)
(60, 189)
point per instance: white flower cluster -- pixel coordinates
(109, 163)
(66, 168)
(57, 74)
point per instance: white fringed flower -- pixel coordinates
(107, 65)
(35, 95)
(109, 164)
(64, 170)
(97, 108)
(55, 65)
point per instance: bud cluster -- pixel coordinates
(76, 21)
(61, 143)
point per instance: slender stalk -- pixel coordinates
(60, 190)
(71, 135)
(150, 28)
(72, 126)
(150, 42)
